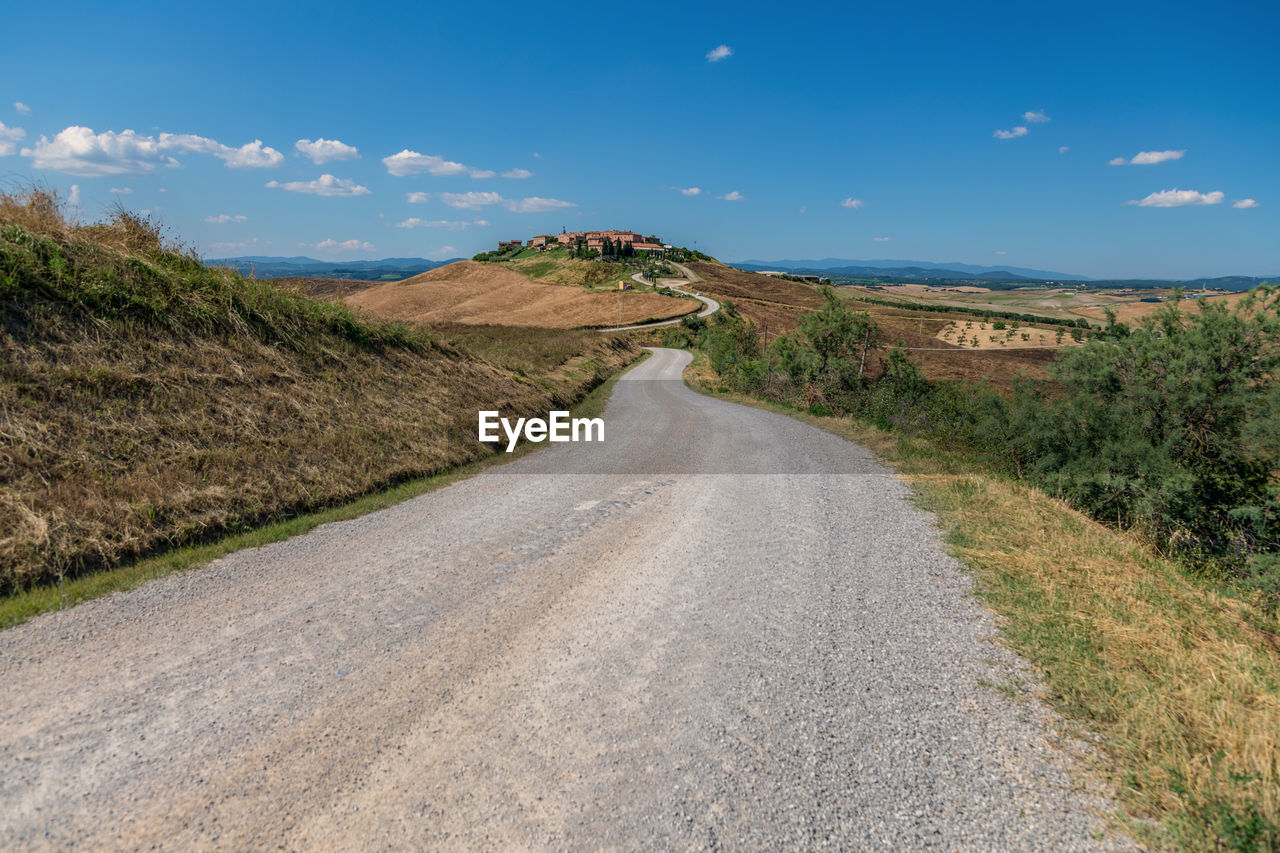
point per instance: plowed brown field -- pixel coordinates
(474, 293)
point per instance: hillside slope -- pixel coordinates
(147, 400)
(472, 292)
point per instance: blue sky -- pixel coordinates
(818, 131)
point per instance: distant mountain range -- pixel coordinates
(911, 269)
(997, 277)
(387, 269)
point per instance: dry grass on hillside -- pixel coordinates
(148, 401)
(470, 292)
(779, 304)
(325, 288)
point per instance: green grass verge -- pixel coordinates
(19, 607)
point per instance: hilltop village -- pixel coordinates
(598, 242)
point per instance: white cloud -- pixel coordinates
(1010, 134)
(534, 204)
(9, 137)
(23, 109)
(1001, 252)
(417, 198)
(447, 224)
(483, 173)
(79, 151)
(74, 198)
(1147, 158)
(852, 203)
(718, 53)
(1063, 149)
(517, 174)
(477, 200)
(224, 218)
(733, 196)
(803, 208)
(323, 150)
(690, 190)
(412, 163)
(537, 155)
(1245, 204)
(1179, 198)
(251, 155)
(323, 185)
(443, 253)
(471, 200)
(1035, 117)
(332, 245)
(882, 239)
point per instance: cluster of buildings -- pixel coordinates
(592, 239)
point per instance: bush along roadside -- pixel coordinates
(1122, 520)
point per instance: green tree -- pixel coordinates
(1174, 427)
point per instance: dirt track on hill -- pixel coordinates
(719, 628)
(477, 293)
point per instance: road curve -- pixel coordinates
(719, 628)
(710, 306)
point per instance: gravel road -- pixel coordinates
(721, 628)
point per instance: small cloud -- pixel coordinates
(417, 198)
(1147, 158)
(733, 196)
(533, 204)
(224, 218)
(1001, 252)
(332, 245)
(852, 203)
(517, 174)
(1063, 149)
(442, 253)
(537, 156)
(882, 239)
(1244, 204)
(121, 190)
(74, 198)
(803, 208)
(689, 190)
(21, 108)
(324, 150)
(326, 185)
(1035, 117)
(412, 163)
(483, 173)
(719, 53)
(477, 200)
(9, 137)
(448, 225)
(1179, 198)
(1010, 134)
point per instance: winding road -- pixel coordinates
(719, 628)
(710, 306)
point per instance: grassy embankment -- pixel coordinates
(149, 402)
(1173, 675)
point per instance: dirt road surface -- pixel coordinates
(719, 628)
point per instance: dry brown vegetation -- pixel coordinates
(470, 292)
(325, 288)
(148, 401)
(778, 304)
